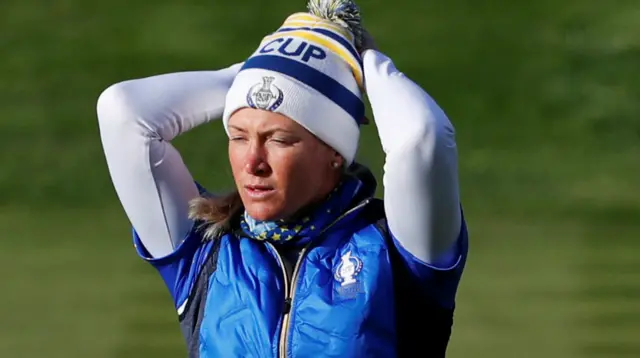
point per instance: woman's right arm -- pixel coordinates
(137, 120)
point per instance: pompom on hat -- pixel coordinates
(310, 71)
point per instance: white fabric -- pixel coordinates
(421, 193)
(311, 109)
(138, 118)
(319, 115)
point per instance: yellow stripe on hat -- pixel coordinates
(320, 25)
(309, 20)
(336, 48)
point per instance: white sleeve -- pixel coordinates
(420, 179)
(137, 119)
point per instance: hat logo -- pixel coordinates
(265, 95)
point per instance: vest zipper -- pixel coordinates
(290, 290)
(284, 333)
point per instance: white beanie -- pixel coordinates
(309, 71)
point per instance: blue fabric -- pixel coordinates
(302, 230)
(326, 318)
(180, 269)
(313, 78)
(444, 292)
(344, 303)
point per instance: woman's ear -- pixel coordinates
(338, 160)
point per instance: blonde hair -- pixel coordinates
(215, 213)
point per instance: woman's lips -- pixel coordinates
(259, 191)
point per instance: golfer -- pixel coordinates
(300, 260)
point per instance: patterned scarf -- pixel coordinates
(300, 231)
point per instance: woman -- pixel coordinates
(300, 260)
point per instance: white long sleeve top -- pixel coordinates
(139, 118)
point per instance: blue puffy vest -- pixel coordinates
(354, 292)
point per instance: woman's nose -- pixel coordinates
(256, 162)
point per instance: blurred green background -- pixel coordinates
(544, 96)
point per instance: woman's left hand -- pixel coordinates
(368, 43)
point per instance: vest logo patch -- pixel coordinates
(346, 272)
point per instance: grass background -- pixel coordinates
(544, 96)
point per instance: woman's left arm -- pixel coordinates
(421, 194)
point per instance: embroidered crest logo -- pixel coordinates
(347, 270)
(265, 95)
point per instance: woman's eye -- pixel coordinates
(282, 141)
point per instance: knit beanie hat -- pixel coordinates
(310, 71)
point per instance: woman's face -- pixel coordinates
(278, 166)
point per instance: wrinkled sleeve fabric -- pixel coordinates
(420, 178)
(137, 120)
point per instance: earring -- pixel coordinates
(335, 165)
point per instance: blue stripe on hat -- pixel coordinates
(313, 78)
(346, 44)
